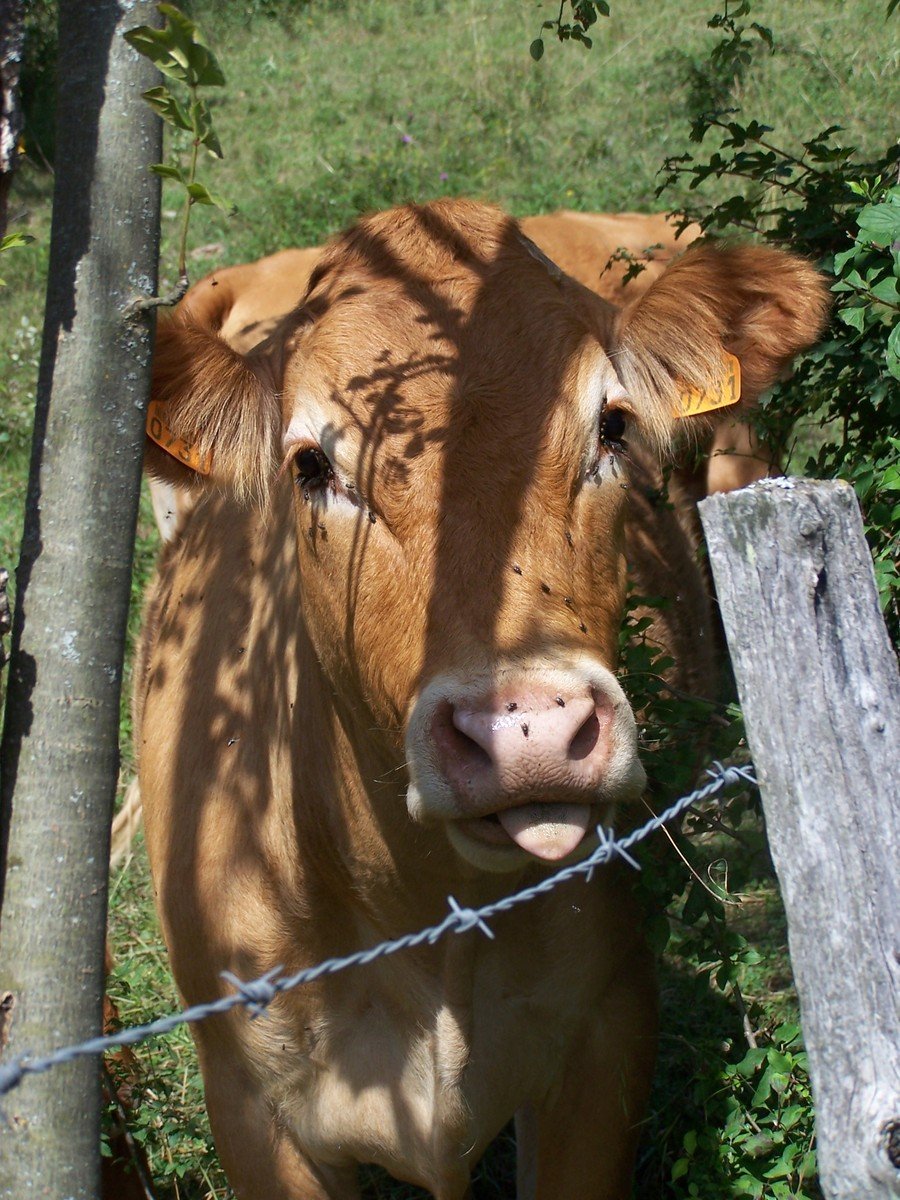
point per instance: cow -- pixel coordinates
(378, 670)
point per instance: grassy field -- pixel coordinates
(340, 107)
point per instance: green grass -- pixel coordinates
(353, 105)
(317, 109)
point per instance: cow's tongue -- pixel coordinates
(548, 831)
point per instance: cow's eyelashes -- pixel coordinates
(313, 468)
(613, 423)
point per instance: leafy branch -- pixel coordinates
(584, 14)
(734, 52)
(180, 52)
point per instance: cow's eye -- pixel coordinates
(612, 429)
(313, 468)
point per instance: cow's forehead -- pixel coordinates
(448, 311)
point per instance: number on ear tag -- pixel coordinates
(727, 391)
(158, 431)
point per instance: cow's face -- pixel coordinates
(456, 417)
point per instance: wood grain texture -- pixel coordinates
(820, 690)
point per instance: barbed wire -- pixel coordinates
(257, 994)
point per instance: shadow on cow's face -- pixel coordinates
(456, 430)
(459, 417)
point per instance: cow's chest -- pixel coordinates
(420, 1077)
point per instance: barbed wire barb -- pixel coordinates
(258, 993)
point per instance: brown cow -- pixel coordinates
(378, 670)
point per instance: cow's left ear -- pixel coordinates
(762, 305)
(214, 413)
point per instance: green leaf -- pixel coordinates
(808, 1165)
(759, 1144)
(764, 33)
(201, 121)
(787, 1033)
(845, 256)
(784, 1164)
(536, 49)
(880, 223)
(886, 290)
(163, 102)
(779, 1061)
(750, 1186)
(167, 171)
(156, 44)
(751, 1060)
(854, 317)
(695, 905)
(202, 64)
(791, 1116)
(763, 1090)
(10, 240)
(727, 973)
(178, 50)
(7, 242)
(854, 279)
(200, 194)
(680, 1168)
(211, 141)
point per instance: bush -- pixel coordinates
(843, 211)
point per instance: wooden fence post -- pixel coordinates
(820, 691)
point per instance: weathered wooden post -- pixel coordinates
(820, 690)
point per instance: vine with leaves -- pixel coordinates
(181, 53)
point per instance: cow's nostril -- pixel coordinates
(467, 749)
(585, 739)
(454, 745)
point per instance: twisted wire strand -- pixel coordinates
(256, 994)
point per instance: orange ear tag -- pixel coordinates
(158, 431)
(727, 391)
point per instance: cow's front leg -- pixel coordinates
(259, 1156)
(581, 1139)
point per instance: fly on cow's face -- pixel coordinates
(313, 469)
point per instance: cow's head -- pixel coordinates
(454, 414)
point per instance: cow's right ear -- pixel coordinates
(214, 413)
